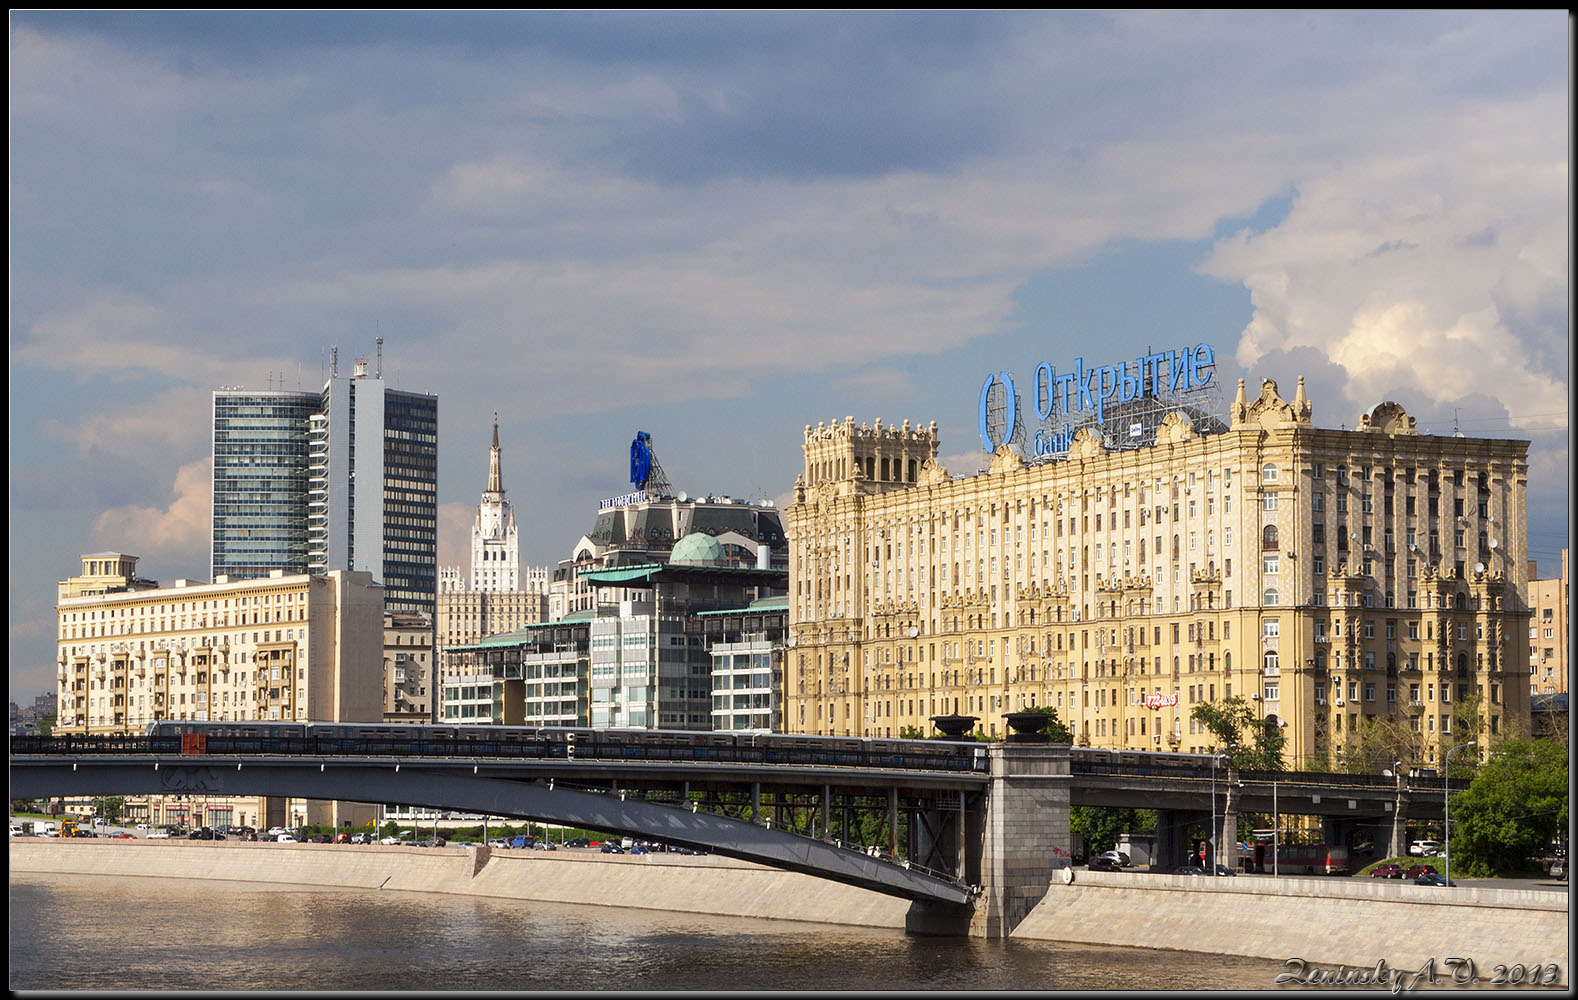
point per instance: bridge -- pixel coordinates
(974, 849)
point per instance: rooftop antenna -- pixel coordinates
(1455, 432)
(378, 372)
(334, 361)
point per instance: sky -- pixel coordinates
(721, 227)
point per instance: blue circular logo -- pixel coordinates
(641, 459)
(1010, 412)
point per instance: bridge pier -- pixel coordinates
(1225, 837)
(1397, 841)
(1025, 836)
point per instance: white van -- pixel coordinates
(16, 830)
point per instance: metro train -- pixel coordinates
(411, 740)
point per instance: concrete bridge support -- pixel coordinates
(1397, 842)
(1025, 840)
(1225, 837)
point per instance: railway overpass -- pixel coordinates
(978, 849)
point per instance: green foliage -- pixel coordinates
(112, 807)
(1381, 742)
(1251, 743)
(1054, 728)
(912, 733)
(1516, 805)
(1099, 826)
(389, 829)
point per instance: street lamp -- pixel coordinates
(1446, 809)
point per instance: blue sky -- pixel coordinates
(721, 227)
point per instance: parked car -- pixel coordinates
(1431, 878)
(142, 826)
(1418, 870)
(520, 841)
(1121, 858)
(544, 845)
(123, 835)
(1188, 870)
(1102, 863)
(159, 835)
(286, 838)
(609, 847)
(1225, 870)
(1559, 869)
(361, 838)
(390, 841)
(1425, 848)
(578, 842)
(1388, 870)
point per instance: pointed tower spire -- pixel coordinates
(1240, 410)
(495, 477)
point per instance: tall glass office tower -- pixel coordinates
(260, 481)
(342, 479)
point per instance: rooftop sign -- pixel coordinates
(1092, 389)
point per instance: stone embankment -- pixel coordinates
(1326, 921)
(672, 882)
(1355, 922)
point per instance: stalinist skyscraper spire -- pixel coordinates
(495, 542)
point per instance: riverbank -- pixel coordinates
(1324, 921)
(1321, 920)
(705, 884)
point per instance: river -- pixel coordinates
(133, 933)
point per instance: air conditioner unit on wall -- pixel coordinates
(1339, 702)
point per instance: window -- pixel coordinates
(1268, 501)
(1268, 473)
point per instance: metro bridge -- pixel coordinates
(977, 846)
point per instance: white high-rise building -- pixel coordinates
(495, 541)
(342, 479)
(499, 594)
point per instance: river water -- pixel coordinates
(130, 933)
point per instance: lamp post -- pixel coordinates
(1446, 809)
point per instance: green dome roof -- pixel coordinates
(697, 549)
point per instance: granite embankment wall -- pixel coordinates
(672, 882)
(1322, 920)
(1355, 922)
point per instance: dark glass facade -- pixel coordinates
(260, 482)
(410, 501)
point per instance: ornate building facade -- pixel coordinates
(499, 594)
(1336, 579)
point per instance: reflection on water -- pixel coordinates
(122, 933)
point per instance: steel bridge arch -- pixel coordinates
(420, 782)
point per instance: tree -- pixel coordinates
(1054, 728)
(1251, 744)
(1382, 741)
(112, 808)
(1515, 806)
(1099, 826)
